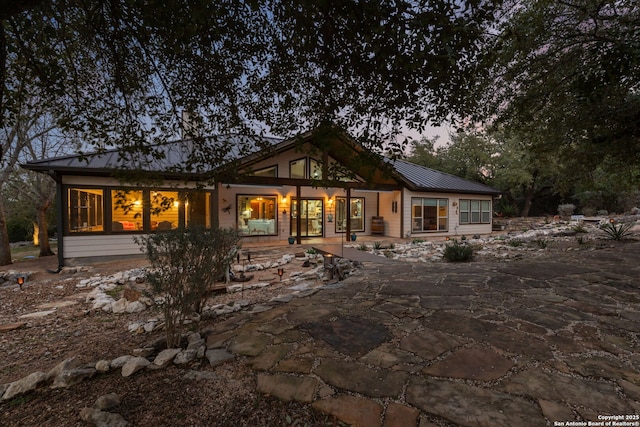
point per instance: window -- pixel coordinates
(271, 171)
(86, 210)
(126, 210)
(257, 215)
(165, 207)
(356, 214)
(298, 169)
(429, 214)
(475, 211)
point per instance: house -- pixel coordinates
(318, 185)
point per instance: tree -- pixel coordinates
(123, 71)
(568, 72)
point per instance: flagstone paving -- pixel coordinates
(527, 343)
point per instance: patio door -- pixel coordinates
(311, 215)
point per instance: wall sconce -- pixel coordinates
(283, 201)
(20, 280)
(280, 273)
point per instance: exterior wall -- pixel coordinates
(391, 217)
(99, 246)
(454, 228)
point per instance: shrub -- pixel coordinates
(392, 245)
(566, 209)
(580, 228)
(455, 252)
(363, 247)
(617, 230)
(377, 245)
(185, 263)
(542, 243)
(19, 229)
(515, 243)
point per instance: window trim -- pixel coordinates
(438, 217)
(107, 206)
(470, 211)
(363, 216)
(256, 171)
(275, 214)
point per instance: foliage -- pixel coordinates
(542, 243)
(392, 245)
(19, 229)
(363, 247)
(617, 230)
(311, 251)
(377, 245)
(567, 71)
(416, 241)
(185, 264)
(456, 252)
(566, 209)
(122, 72)
(580, 228)
(515, 242)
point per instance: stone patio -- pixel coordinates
(535, 342)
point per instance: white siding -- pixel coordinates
(455, 228)
(99, 245)
(391, 219)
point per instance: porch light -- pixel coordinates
(280, 273)
(283, 202)
(328, 260)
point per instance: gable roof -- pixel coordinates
(244, 150)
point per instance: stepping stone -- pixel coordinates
(37, 314)
(472, 363)
(351, 410)
(361, 379)
(353, 336)
(287, 387)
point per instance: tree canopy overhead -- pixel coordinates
(568, 71)
(123, 71)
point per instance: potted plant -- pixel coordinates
(291, 240)
(353, 237)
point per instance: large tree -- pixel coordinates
(569, 72)
(123, 71)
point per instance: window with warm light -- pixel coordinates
(197, 209)
(85, 210)
(126, 210)
(165, 207)
(257, 214)
(356, 214)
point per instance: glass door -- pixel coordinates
(311, 215)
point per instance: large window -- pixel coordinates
(257, 215)
(429, 214)
(165, 210)
(271, 171)
(86, 210)
(475, 211)
(126, 210)
(305, 169)
(356, 215)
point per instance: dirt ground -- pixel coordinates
(154, 398)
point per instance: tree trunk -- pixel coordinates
(5, 248)
(43, 233)
(529, 195)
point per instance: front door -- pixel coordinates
(311, 214)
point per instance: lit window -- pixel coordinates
(356, 215)
(126, 210)
(298, 169)
(257, 215)
(165, 206)
(86, 210)
(198, 209)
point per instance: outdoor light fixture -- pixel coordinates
(328, 260)
(283, 202)
(20, 280)
(280, 272)
(447, 237)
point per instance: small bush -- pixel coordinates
(392, 246)
(455, 252)
(542, 243)
(363, 247)
(579, 228)
(377, 245)
(515, 243)
(566, 209)
(185, 263)
(311, 251)
(617, 230)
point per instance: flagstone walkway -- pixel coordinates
(545, 341)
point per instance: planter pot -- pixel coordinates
(291, 240)
(353, 237)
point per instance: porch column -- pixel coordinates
(215, 204)
(348, 230)
(60, 217)
(298, 215)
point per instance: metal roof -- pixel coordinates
(423, 178)
(171, 159)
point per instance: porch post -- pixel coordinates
(348, 232)
(298, 215)
(215, 213)
(60, 218)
